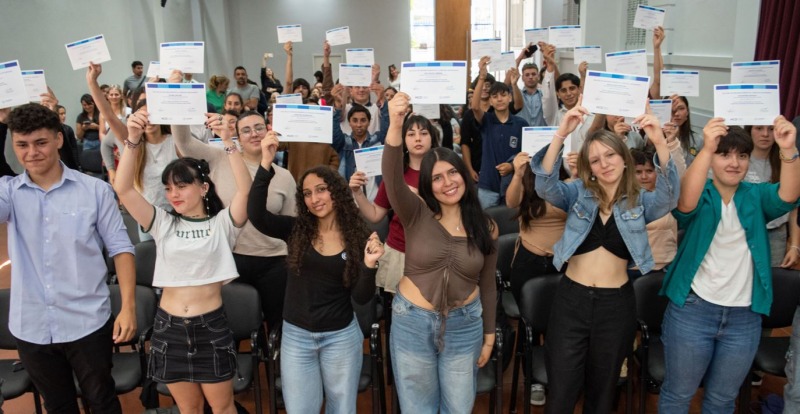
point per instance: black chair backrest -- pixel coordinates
(650, 306)
(243, 308)
(91, 161)
(504, 217)
(145, 262)
(366, 314)
(785, 297)
(7, 340)
(537, 299)
(505, 252)
(145, 307)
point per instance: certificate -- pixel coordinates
(34, 84)
(662, 109)
(541, 34)
(632, 62)
(536, 138)
(12, 85)
(290, 33)
(187, 57)
(291, 98)
(505, 61)
(364, 56)
(764, 71)
(153, 69)
(680, 82)
(747, 104)
(615, 93)
(176, 103)
(303, 123)
(588, 54)
(565, 36)
(93, 49)
(430, 111)
(338, 36)
(485, 47)
(443, 82)
(648, 17)
(355, 75)
(368, 160)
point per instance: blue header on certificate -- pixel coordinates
(337, 29)
(308, 107)
(369, 149)
(627, 52)
(745, 86)
(587, 47)
(288, 26)
(660, 101)
(182, 44)
(459, 63)
(681, 72)
(486, 40)
(80, 42)
(537, 29)
(565, 27)
(361, 50)
(656, 9)
(757, 63)
(176, 85)
(33, 72)
(11, 64)
(619, 76)
(352, 65)
(540, 128)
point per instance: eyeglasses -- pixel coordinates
(258, 129)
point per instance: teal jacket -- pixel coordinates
(756, 204)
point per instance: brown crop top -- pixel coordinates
(444, 268)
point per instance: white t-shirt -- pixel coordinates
(725, 276)
(157, 158)
(193, 252)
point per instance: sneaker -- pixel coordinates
(537, 394)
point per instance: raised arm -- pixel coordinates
(548, 87)
(404, 202)
(364, 288)
(694, 180)
(476, 97)
(785, 137)
(289, 76)
(513, 76)
(664, 198)
(369, 210)
(142, 211)
(658, 62)
(516, 190)
(272, 225)
(571, 120)
(241, 175)
(106, 113)
(327, 72)
(582, 68)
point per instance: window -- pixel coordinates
(423, 33)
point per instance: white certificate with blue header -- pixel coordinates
(648, 17)
(536, 35)
(93, 49)
(680, 82)
(176, 103)
(291, 98)
(442, 82)
(368, 160)
(505, 61)
(565, 36)
(762, 71)
(485, 47)
(615, 93)
(12, 85)
(631, 62)
(187, 57)
(536, 138)
(588, 54)
(355, 75)
(303, 123)
(338, 36)
(662, 109)
(747, 104)
(362, 56)
(290, 33)
(35, 84)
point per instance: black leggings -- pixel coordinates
(268, 276)
(527, 265)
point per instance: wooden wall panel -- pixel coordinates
(452, 29)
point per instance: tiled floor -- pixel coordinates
(131, 404)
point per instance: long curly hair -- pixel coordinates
(353, 229)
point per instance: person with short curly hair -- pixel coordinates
(328, 267)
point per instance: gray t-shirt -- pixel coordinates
(248, 92)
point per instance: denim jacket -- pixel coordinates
(581, 207)
(345, 144)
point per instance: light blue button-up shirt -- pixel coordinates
(55, 241)
(532, 108)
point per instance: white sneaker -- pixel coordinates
(537, 394)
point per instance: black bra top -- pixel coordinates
(606, 236)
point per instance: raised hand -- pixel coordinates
(373, 250)
(175, 76)
(521, 162)
(269, 146)
(398, 108)
(287, 47)
(582, 69)
(785, 133)
(572, 118)
(713, 131)
(513, 75)
(357, 181)
(658, 37)
(482, 64)
(326, 49)
(137, 123)
(338, 96)
(215, 122)
(93, 72)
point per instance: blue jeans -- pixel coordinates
(429, 380)
(791, 392)
(313, 362)
(704, 341)
(488, 198)
(91, 144)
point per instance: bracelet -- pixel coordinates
(555, 134)
(132, 145)
(795, 247)
(231, 149)
(787, 159)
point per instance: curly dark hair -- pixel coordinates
(353, 228)
(30, 117)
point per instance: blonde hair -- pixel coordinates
(628, 186)
(217, 80)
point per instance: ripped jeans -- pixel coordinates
(791, 391)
